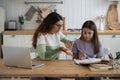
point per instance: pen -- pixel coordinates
(111, 56)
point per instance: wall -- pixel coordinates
(75, 11)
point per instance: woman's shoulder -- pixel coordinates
(41, 36)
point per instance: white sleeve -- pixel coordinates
(62, 36)
(41, 40)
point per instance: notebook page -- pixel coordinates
(89, 60)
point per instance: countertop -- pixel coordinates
(31, 32)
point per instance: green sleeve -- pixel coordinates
(43, 52)
(52, 51)
(40, 51)
(64, 40)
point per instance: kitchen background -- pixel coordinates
(74, 11)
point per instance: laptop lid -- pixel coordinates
(18, 57)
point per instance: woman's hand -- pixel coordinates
(68, 44)
(82, 56)
(66, 51)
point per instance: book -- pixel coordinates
(95, 69)
(100, 67)
(87, 61)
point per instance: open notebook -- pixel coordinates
(87, 61)
(18, 57)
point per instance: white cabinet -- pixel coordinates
(112, 42)
(28, 40)
(13, 40)
(17, 40)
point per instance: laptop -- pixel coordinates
(18, 57)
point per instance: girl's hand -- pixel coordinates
(66, 51)
(82, 56)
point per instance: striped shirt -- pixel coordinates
(48, 46)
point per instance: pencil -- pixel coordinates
(111, 56)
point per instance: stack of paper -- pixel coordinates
(100, 67)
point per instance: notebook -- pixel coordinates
(18, 57)
(87, 61)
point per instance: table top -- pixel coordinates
(55, 68)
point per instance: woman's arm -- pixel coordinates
(68, 44)
(40, 51)
(43, 52)
(66, 51)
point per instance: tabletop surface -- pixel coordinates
(55, 68)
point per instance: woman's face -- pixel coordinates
(87, 34)
(57, 27)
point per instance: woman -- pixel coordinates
(47, 38)
(88, 45)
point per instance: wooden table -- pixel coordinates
(56, 68)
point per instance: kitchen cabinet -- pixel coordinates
(112, 42)
(17, 40)
(28, 40)
(13, 40)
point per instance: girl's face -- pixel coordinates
(87, 34)
(57, 26)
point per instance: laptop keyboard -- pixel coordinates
(34, 64)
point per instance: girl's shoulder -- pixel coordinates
(78, 41)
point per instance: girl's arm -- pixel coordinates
(75, 56)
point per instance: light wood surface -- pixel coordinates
(31, 32)
(56, 68)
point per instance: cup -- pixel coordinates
(115, 63)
